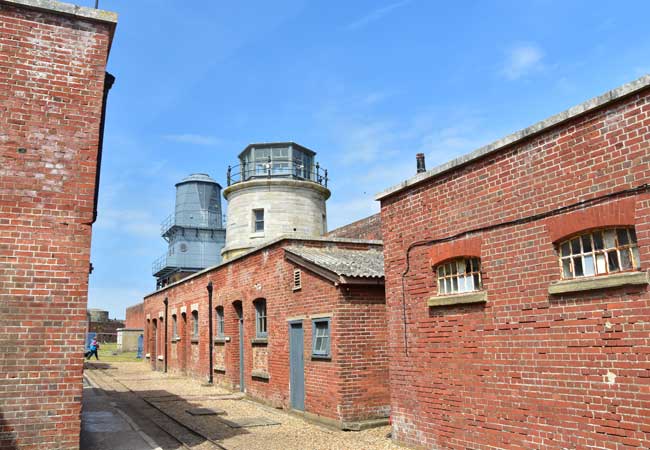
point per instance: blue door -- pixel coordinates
(297, 366)
(240, 316)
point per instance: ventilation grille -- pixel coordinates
(297, 279)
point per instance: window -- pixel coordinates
(599, 252)
(258, 220)
(220, 322)
(321, 337)
(260, 318)
(297, 279)
(174, 327)
(195, 324)
(459, 276)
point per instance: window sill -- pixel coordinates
(257, 234)
(260, 340)
(221, 340)
(175, 339)
(322, 357)
(458, 299)
(260, 374)
(220, 369)
(601, 282)
(194, 340)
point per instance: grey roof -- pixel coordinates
(575, 111)
(344, 262)
(197, 177)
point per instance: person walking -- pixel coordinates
(94, 346)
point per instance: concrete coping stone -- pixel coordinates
(296, 318)
(194, 307)
(183, 309)
(458, 299)
(601, 282)
(67, 9)
(148, 317)
(161, 315)
(321, 315)
(573, 112)
(173, 311)
(130, 329)
(161, 357)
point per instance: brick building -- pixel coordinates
(366, 228)
(297, 323)
(53, 89)
(517, 287)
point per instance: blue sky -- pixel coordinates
(366, 84)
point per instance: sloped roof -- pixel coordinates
(343, 262)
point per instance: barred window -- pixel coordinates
(260, 318)
(174, 327)
(599, 252)
(195, 324)
(458, 276)
(220, 322)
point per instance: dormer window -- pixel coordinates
(459, 276)
(599, 252)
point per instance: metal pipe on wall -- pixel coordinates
(166, 302)
(210, 340)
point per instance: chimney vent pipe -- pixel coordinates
(420, 162)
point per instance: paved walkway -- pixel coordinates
(175, 412)
(105, 427)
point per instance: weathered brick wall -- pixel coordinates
(353, 385)
(525, 369)
(367, 228)
(51, 95)
(135, 316)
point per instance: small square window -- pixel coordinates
(321, 337)
(258, 220)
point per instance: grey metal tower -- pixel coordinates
(195, 231)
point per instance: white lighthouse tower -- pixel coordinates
(276, 189)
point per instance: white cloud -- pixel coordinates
(522, 60)
(194, 139)
(375, 15)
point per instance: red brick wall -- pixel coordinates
(526, 369)
(135, 316)
(51, 88)
(368, 228)
(352, 386)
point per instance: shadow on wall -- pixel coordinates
(7, 435)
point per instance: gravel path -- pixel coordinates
(174, 395)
